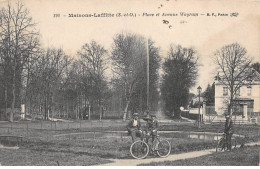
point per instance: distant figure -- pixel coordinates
(134, 127)
(228, 131)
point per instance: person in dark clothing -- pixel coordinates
(152, 126)
(228, 131)
(134, 127)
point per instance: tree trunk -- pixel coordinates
(6, 102)
(177, 114)
(231, 101)
(125, 110)
(13, 93)
(45, 107)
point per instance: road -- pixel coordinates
(174, 157)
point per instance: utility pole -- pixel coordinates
(147, 67)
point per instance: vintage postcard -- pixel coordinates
(129, 83)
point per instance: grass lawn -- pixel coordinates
(42, 148)
(246, 156)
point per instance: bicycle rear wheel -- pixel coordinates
(139, 149)
(221, 145)
(163, 148)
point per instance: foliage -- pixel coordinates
(93, 59)
(180, 73)
(46, 81)
(130, 67)
(256, 66)
(209, 94)
(18, 43)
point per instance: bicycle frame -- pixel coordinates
(146, 139)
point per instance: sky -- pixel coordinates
(204, 33)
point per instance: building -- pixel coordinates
(246, 101)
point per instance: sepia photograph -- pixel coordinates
(129, 83)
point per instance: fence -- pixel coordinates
(192, 116)
(210, 110)
(45, 130)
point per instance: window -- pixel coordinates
(225, 91)
(249, 91)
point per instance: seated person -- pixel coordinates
(134, 127)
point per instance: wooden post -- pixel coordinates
(80, 125)
(41, 124)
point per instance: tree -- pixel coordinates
(180, 73)
(256, 66)
(232, 66)
(93, 59)
(47, 79)
(129, 57)
(209, 94)
(18, 41)
(139, 97)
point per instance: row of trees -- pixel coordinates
(51, 83)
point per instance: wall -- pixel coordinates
(220, 99)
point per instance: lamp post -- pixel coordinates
(199, 91)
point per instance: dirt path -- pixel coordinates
(174, 157)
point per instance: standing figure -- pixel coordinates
(152, 127)
(134, 127)
(228, 131)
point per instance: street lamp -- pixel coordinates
(199, 91)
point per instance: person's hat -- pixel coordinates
(135, 114)
(146, 118)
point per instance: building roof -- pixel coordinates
(255, 75)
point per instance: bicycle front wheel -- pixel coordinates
(139, 149)
(163, 148)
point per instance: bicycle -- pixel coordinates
(140, 148)
(222, 143)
